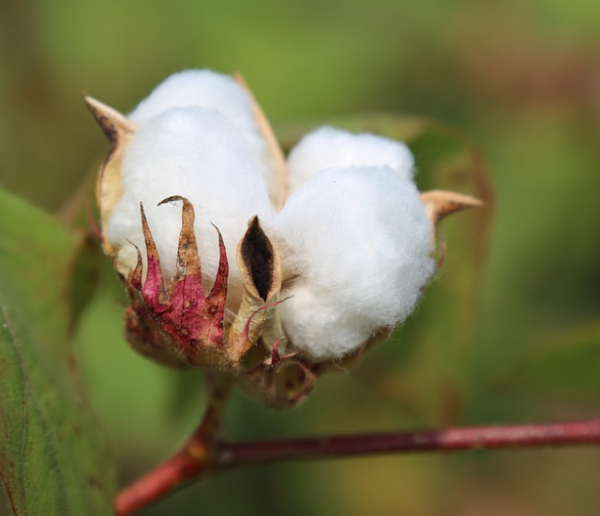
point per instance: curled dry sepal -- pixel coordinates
(332, 248)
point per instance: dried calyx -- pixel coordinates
(332, 249)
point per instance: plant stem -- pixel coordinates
(200, 455)
(454, 439)
(194, 459)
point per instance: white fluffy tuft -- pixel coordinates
(359, 241)
(198, 154)
(210, 91)
(328, 147)
(201, 88)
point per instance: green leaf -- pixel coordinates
(565, 368)
(54, 458)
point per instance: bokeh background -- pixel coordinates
(510, 332)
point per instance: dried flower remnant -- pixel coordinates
(237, 260)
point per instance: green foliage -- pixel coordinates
(518, 77)
(565, 369)
(54, 458)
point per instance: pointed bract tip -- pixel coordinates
(440, 203)
(113, 124)
(173, 198)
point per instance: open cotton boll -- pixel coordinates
(329, 147)
(200, 155)
(208, 90)
(359, 241)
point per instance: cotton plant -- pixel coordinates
(235, 259)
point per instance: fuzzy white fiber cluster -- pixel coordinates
(358, 240)
(328, 147)
(196, 138)
(354, 238)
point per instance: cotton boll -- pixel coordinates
(359, 241)
(211, 91)
(200, 155)
(328, 147)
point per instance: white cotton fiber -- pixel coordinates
(353, 236)
(198, 154)
(211, 91)
(202, 88)
(328, 147)
(359, 242)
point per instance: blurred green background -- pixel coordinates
(514, 338)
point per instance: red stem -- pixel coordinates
(158, 483)
(195, 458)
(202, 454)
(486, 437)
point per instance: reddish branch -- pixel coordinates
(457, 439)
(193, 460)
(199, 456)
